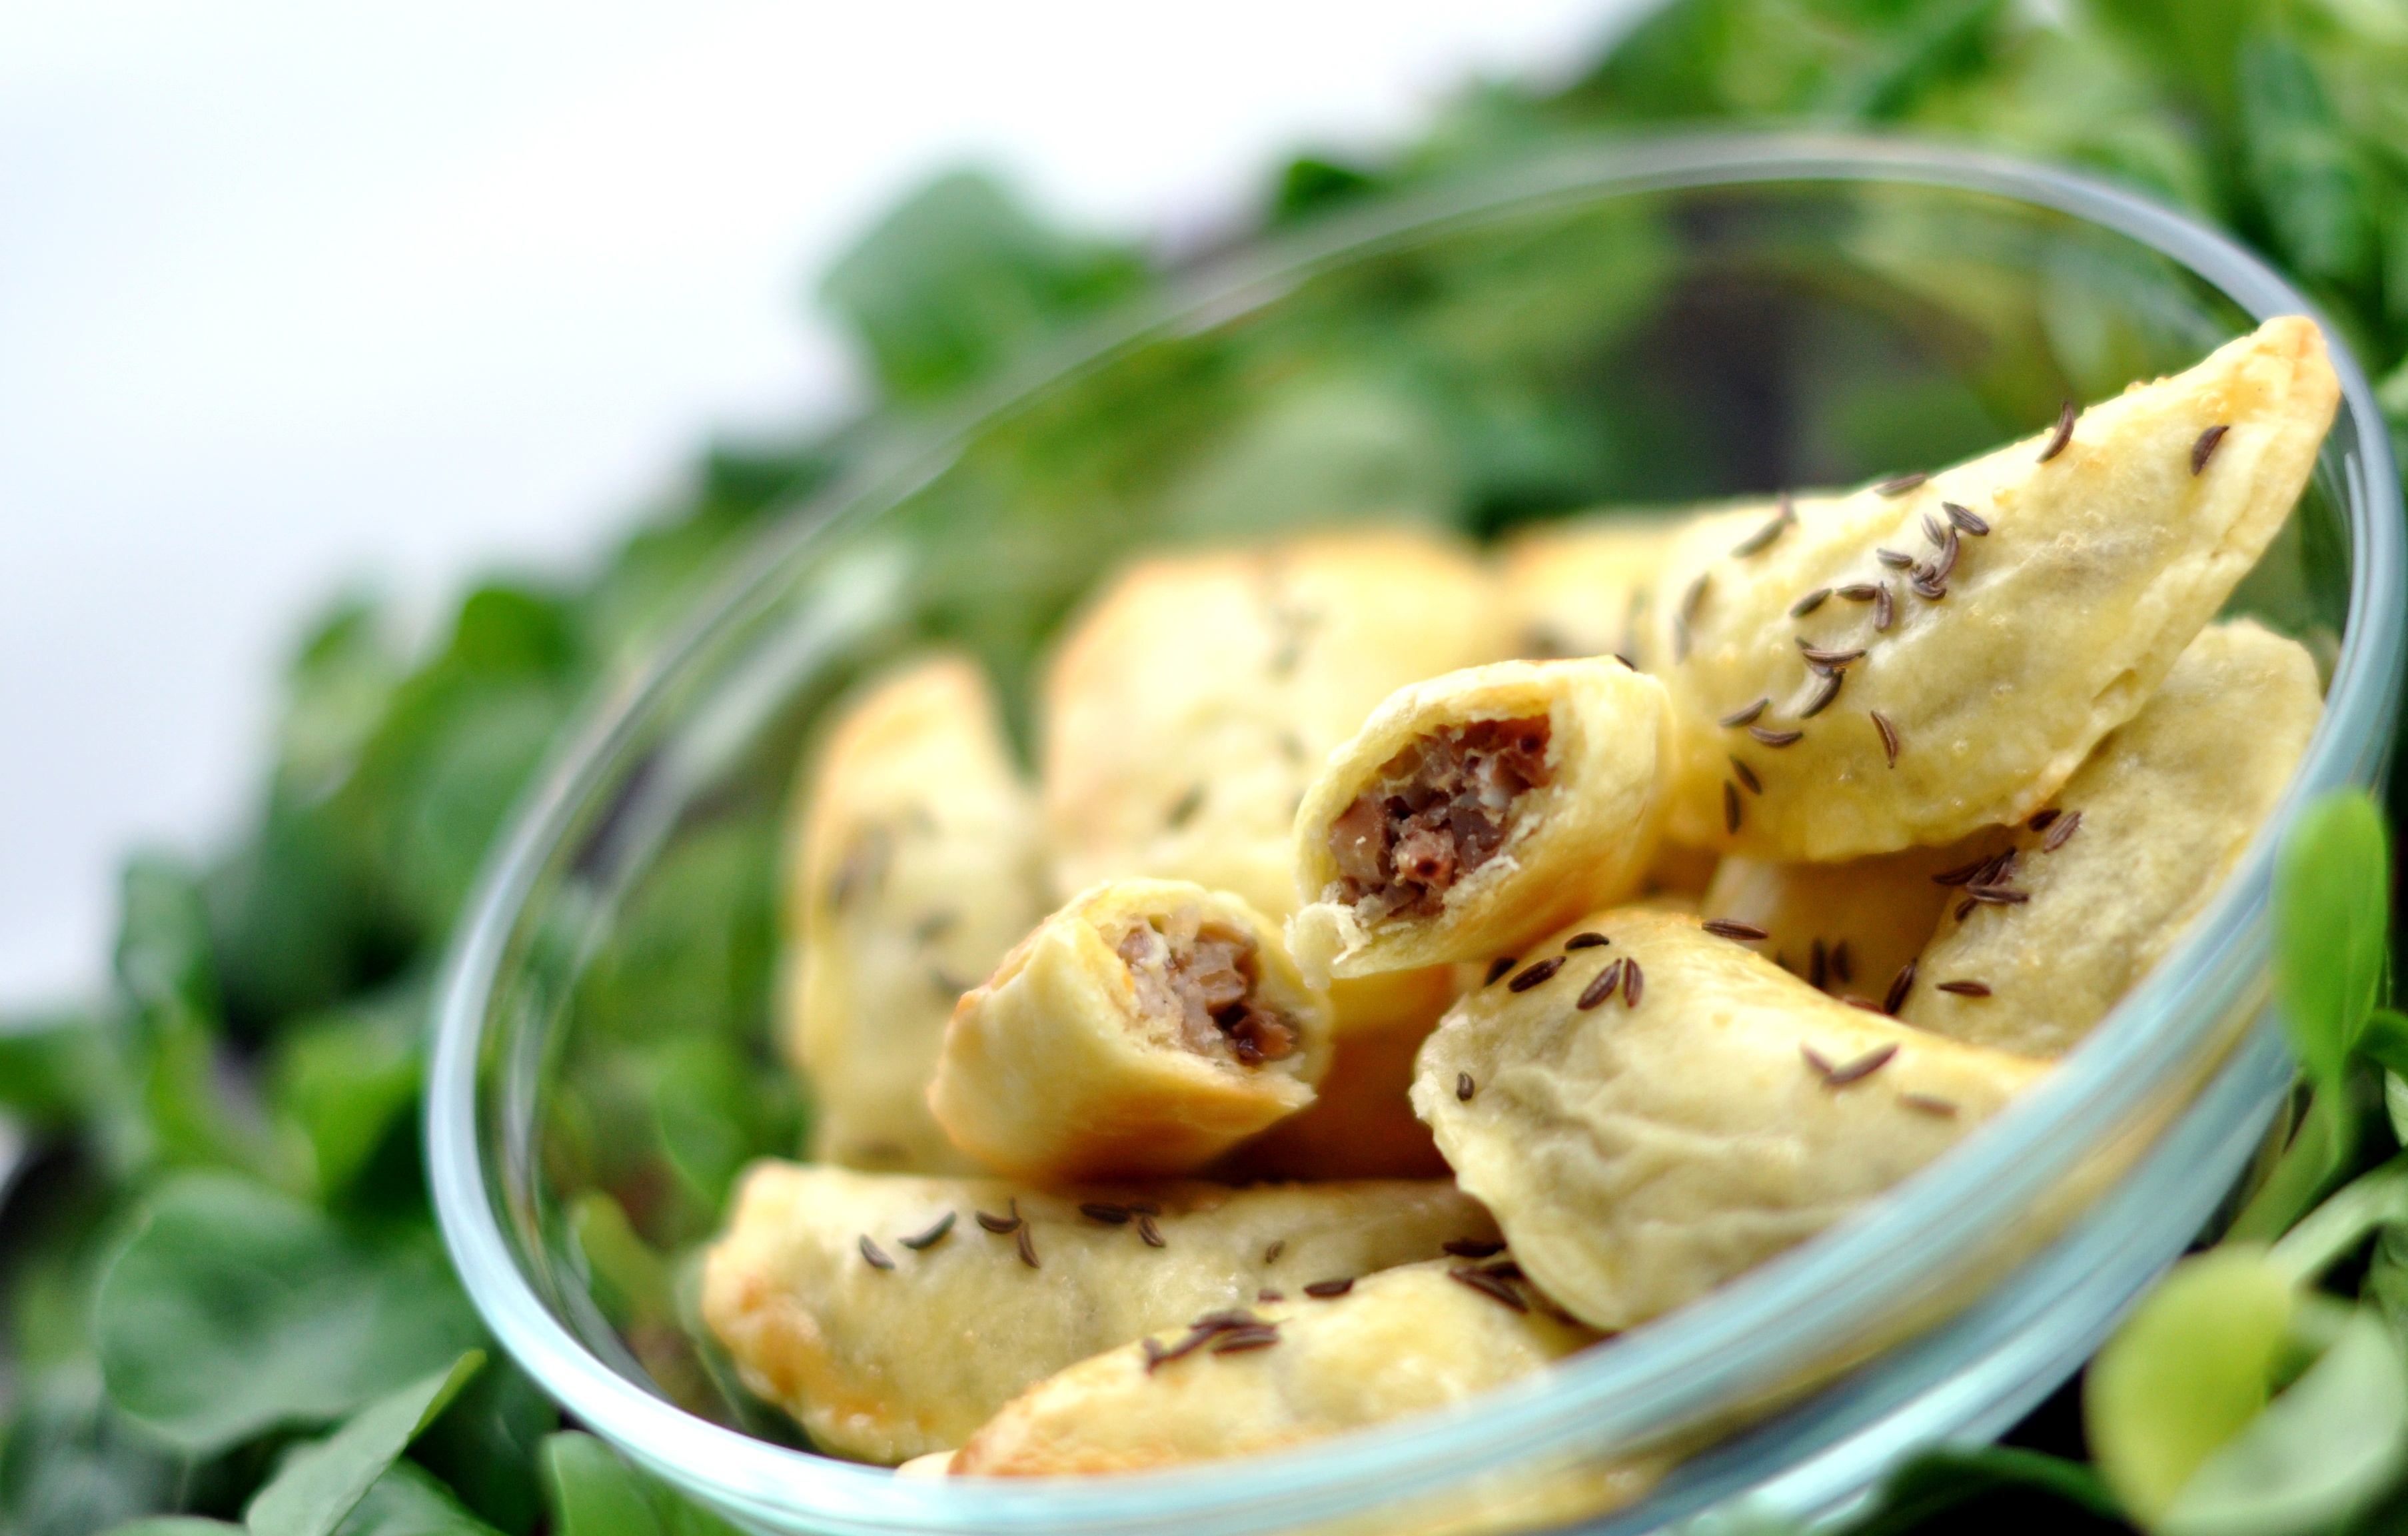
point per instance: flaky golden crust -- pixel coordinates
(1865, 919)
(888, 1363)
(1398, 1343)
(914, 867)
(1580, 587)
(1583, 839)
(1197, 694)
(2053, 628)
(1062, 1067)
(1640, 1155)
(2167, 802)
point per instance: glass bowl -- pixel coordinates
(1638, 323)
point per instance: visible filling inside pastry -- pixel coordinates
(1440, 809)
(1195, 983)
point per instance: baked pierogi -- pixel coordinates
(1650, 1109)
(1143, 1029)
(1339, 1354)
(2037, 945)
(1918, 660)
(1477, 811)
(915, 867)
(891, 1314)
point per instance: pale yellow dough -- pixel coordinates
(2099, 566)
(1585, 839)
(2167, 802)
(1866, 918)
(1075, 1061)
(914, 867)
(887, 1364)
(1579, 587)
(1640, 1157)
(1194, 698)
(1401, 1341)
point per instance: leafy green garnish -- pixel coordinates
(234, 1309)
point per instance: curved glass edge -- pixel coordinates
(1655, 1371)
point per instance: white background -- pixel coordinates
(295, 295)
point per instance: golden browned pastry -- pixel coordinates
(1850, 928)
(1580, 587)
(1476, 810)
(1346, 1353)
(1140, 1032)
(2037, 946)
(1650, 1109)
(891, 1314)
(916, 869)
(1855, 674)
(1199, 693)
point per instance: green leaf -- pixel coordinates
(960, 279)
(318, 1484)
(409, 1500)
(2320, 1152)
(346, 1080)
(235, 1309)
(70, 1463)
(2323, 1450)
(591, 1492)
(2333, 881)
(2302, 163)
(484, 1446)
(1946, 1477)
(176, 1525)
(2185, 1374)
(2335, 1229)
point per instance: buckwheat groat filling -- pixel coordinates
(1441, 809)
(1477, 811)
(1203, 984)
(1144, 1030)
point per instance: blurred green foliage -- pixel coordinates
(220, 1242)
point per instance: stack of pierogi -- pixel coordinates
(1408, 967)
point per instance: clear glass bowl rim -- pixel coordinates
(1674, 1367)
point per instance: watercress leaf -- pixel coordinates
(1947, 1477)
(347, 1078)
(960, 279)
(409, 1500)
(2302, 163)
(484, 1446)
(70, 1463)
(2326, 1449)
(163, 958)
(176, 1525)
(234, 1308)
(2332, 917)
(2387, 1279)
(2335, 1229)
(2185, 1374)
(2385, 1040)
(318, 1484)
(2321, 1151)
(591, 1492)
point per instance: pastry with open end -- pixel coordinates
(1142, 1031)
(1934, 655)
(915, 867)
(1661, 1108)
(2039, 944)
(1477, 811)
(891, 1315)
